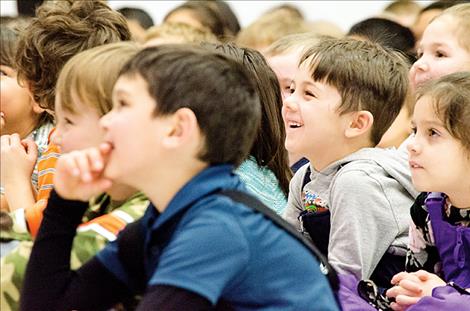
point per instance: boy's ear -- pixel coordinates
(36, 108)
(360, 123)
(183, 127)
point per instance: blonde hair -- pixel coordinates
(291, 43)
(90, 76)
(460, 15)
(179, 33)
(270, 28)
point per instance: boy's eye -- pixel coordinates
(432, 132)
(68, 121)
(3, 73)
(120, 103)
(291, 89)
(414, 129)
(308, 93)
(440, 54)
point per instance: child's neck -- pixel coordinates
(120, 193)
(162, 187)
(460, 199)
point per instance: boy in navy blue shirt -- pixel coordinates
(183, 119)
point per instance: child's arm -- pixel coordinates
(17, 164)
(79, 176)
(294, 200)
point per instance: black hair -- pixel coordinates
(217, 88)
(388, 34)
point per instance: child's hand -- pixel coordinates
(79, 174)
(410, 287)
(18, 158)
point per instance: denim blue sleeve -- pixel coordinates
(207, 253)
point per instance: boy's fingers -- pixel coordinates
(15, 139)
(5, 140)
(96, 160)
(83, 165)
(70, 165)
(31, 147)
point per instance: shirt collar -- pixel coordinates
(210, 180)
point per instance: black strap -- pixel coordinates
(258, 206)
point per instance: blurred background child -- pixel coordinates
(22, 120)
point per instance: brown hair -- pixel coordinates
(270, 28)
(450, 96)
(61, 30)
(180, 32)
(92, 87)
(460, 16)
(207, 14)
(367, 76)
(8, 47)
(268, 148)
(218, 89)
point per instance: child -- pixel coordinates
(177, 33)
(83, 96)
(21, 119)
(283, 57)
(395, 36)
(345, 95)
(445, 46)
(195, 113)
(60, 30)
(440, 233)
(266, 172)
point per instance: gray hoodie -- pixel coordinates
(369, 194)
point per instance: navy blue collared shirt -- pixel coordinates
(221, 249)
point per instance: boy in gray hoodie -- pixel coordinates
(354, 199)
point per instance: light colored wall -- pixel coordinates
(344, 13)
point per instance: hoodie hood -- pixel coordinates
(394, 162)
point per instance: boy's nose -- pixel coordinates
(290, 103)
(104, 121)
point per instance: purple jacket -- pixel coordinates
(452, 242)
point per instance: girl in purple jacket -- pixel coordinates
(438, 261)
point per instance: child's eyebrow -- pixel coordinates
(430, 123)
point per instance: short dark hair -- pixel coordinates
(214, 86)
(366, 75)
(207, 14)
(268, 148)
(387, 33)
(60, 30)
(138, 15)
